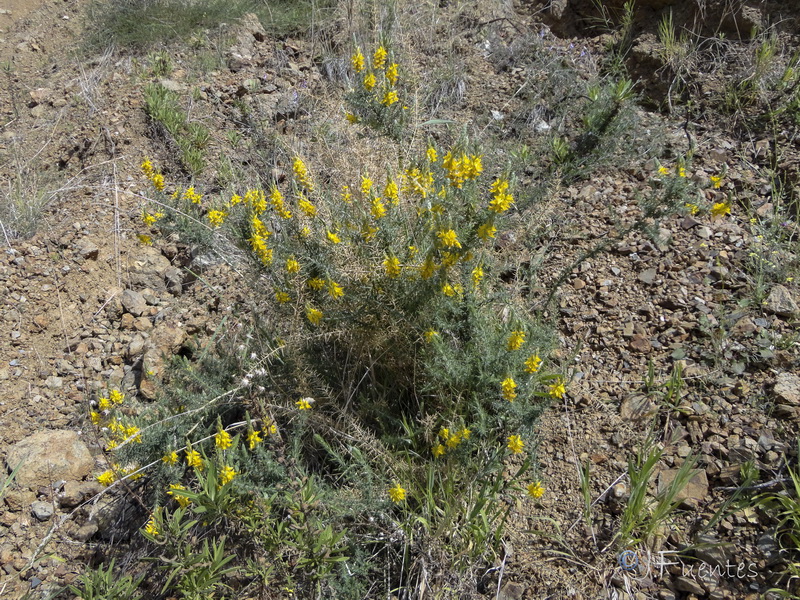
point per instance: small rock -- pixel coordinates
(744, 327)
(88, 249)
(16, 500)
(142, 324)
(710, 550)
(637, 408)
(695, 490)
(512, 591)
(134, 302)
(578, 284)
(787, 388)
(640, 343)
(647, 276)
(780, 302)
(42, 510)
(686, 584)
(173, 277)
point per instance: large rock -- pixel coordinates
(780, 302)
(49, 456)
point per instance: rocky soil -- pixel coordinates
(85, 307)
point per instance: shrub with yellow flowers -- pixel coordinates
(375, 98)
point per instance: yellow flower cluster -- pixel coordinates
(276, 200)
(508, 387)
(515, 444)
(459, 170)
(222, 439)
(417, 182)
(450, 440)
(156, 178)
(174, 491)
(515, 340)
(258, 240)
(384, 92)
(216, 217)
(397, 493)
(536, 490)
(301, 173)
(391, 265)
(150, 219)
(533, 363)
(501, 199)
(720, 209)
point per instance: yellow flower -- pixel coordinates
(292, 266)
(391, 74)
(223, 439)
(515, 444)
(170, 459)
(681, 172)
(397, 493)
(391, 192)
(314, 315)
(692, 208)
(304, 404)
(116, 396)
(533, 363)
(158, 181)
(366, 185)
(333, 238)
(389, 98)
(111, 445)
(454, 440)
(448, 238)
(351, 118)
(428, 268)
(498, 186)
(147, 218)
(438, 450)
(472, 166)
(306, 206)
(487, 231)
(450, 290)
(95, 417)
(368, 232)
(557, 390)
(305, 232)
(282, 297)
(132, 433)
(151, 526)
(720, 209)
(257, 200)
(369, 81)
(449, 259)
(501, 202)
(269, 428)
(662, 170)
(444, 433)
(379, 58)
(465, 433)
(145, 239)
(347, 197)
(378, 209)
(315, 283)
(430, 335)
(107, 478)
(182, 500)
(357, 60)
(193, 459)
(253, 439)
(431, 154)
(191, 195)
(216, 217)
(226, 475)
(536, 489)
(147, 167)
(391, 264)
(235, 199)
(334, 289)
(515, 340)
(477, 276)
(104, 404)
(508, 387)
(300, 170)
(716, 181)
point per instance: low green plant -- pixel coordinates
(785, 507)
(644, 515)
(103, 583)
(163, 107)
